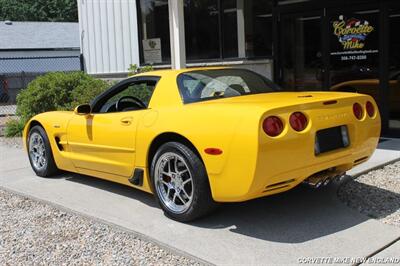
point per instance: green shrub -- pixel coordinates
(86, 92)
(134, 69)
(57, 91)
(51, 92)
(14, 128)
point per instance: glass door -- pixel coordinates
(301, 66)
(394, 70)
(354, 51)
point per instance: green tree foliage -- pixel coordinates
(39, 10)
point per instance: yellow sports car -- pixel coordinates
(371, 87)
(196, 137)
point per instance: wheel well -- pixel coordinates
(34, 123)
(169, 137)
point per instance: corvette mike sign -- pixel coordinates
(352, 33)
(352, 39)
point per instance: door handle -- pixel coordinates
(126, 121)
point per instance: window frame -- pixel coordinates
(101, 99)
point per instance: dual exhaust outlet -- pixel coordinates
(324, 178)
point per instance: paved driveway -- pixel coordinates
(278, 229)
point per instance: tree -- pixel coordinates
(39, 10)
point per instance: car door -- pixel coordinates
(104, 141)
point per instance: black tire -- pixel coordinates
(49, 168)
(202, 202)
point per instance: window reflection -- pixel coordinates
(258, 28)
(155, 25)
(201, 29)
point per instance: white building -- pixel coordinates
(177, 33)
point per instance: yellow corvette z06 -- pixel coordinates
(196, 137)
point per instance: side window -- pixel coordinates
(134, 96)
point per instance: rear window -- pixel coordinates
(203, 85)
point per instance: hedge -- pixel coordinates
(51, 92)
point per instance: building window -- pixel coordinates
(214, 29)
(220, 29)
(154, 28)
(202, 29)
(258, 27)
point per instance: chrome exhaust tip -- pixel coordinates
(318, 184)
(340, 177)
(327, 181)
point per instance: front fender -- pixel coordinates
(55, 124)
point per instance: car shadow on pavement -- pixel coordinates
(297, 216)
(113, 187)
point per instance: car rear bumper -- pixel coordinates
(284, 162)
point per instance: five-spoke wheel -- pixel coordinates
(37, 151)
(174, 182)
(40, 154)
(180, 182)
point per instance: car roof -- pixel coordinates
(176, 72)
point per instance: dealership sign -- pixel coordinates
(350, 42)
(352, 33)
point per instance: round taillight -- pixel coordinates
(298, 121)
(370, 109)
(358, 111)
(273, 126)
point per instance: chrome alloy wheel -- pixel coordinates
(37, 151)
(173, 182)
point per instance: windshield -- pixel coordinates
(203, 85)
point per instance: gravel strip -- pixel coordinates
(375, 194)
(34, 233)
(15, 142)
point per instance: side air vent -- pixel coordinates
(59, 145)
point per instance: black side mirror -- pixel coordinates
(83, 109)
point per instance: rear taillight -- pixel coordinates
(370, 109)
(273, 126)
(358, 111)
(298, 121)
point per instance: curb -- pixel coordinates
(379, 166)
